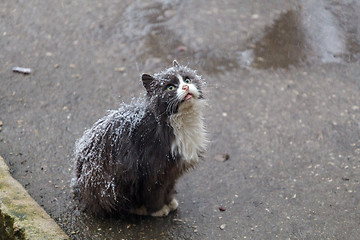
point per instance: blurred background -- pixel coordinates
(283, 89)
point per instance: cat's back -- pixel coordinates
(113, 129)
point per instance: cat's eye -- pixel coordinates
(187, 80)
(171, 87)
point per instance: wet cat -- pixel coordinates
(130, 160)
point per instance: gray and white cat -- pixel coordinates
(130, 160)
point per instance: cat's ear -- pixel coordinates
(147, 79)
(175, 64)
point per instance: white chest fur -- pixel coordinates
(189, 131)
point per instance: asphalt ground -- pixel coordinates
(283, 91)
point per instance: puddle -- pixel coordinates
(155, 33)
(152, 26)
(314, 32)
(283, 44)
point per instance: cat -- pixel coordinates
(130, 160)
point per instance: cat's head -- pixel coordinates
(175, 86)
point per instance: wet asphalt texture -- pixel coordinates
(283, 81)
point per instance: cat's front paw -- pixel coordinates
(163, 212)
(173, 204)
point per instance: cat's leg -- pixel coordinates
(163, 212)
(155, 201)
(169, 198)
(161, 201)
(166, 209)
(173, 204)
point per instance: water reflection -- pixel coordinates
(283, 43)
(324, 35)
(311, 33)
(152, 25)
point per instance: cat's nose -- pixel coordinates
(185, 87)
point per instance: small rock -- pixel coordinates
(255, 16)
(178, 220)
(260, 59)
(222, 157)
(222, 209)
(120, 69)
(222, 226)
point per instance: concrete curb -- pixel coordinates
(20, 216)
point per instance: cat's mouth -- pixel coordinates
(188, 97)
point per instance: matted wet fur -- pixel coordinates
(129, 161)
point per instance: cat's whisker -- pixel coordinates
(172, 104)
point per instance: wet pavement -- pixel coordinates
(283, 81)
